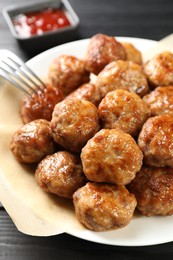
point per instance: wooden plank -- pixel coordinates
(146, 19)
(15, 245)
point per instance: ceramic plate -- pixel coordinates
(47, 215)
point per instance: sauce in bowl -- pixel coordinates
(36, 23)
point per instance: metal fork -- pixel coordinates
(13, 69)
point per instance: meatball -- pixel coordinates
(159, 70)
(153, 189)
(133, 54)
(68, 73)
(160, 100)
(40, 105)
(156, 141)
(111, 156)
(73, 122)
(87, 91)
(32, 142)
(60, 173)
(124, 110)
(101, 207)
(103, 49)
(125, 75)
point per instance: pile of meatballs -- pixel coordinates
(106, 144)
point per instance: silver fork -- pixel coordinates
(13, 69)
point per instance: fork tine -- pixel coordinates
(5, 74)
(29, 78)
(32, 73)
(13, 69)
(23, 79)
(13, 73)
(28, 70)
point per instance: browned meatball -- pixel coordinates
(68, 73)
(60, 173)
(111, 156)
(102, 207)
(133, 54)
(125, 75)
(40, 105)
(87, 91)
(160, 100)
(156, 141)
(153, 189)
(103, 49)
(159, 70)
(73, 122)
(124, 110)
(33, 141)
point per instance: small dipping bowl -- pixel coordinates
(42, 24)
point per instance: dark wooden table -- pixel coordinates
(152, 19)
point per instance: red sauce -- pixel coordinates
(37, 23)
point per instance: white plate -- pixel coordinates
(141, 230)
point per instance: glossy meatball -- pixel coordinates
(159, 70)
(111, 156)
(125, 75)
(60, 173)
(153, 189)
(33, 141)
(102, 207)
(73, 122)
(156, 141)
(160, 100)
(124, 110)
(87, 91)
(133, 54)
(103, 49)
(40, 105)
(68, 73)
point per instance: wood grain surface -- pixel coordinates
(152, 19)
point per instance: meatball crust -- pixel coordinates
(32, 142)
(68, 73)
(153, 189)
(111, 156)
(103, 49)
(124, 110)
(60, 173)
(40, 105)
(133, 54)
(125, 75)
(156, 141)
(87, 91)
(159, 70)
(73, 122)
(101, 207)
(160, 100)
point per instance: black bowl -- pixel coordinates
(38, 43)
